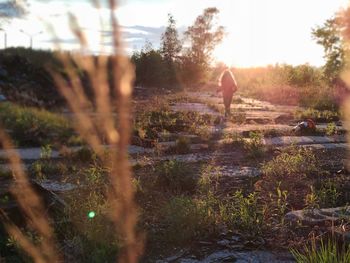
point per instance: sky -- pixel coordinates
(259, 32)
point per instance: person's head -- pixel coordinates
(226, 77)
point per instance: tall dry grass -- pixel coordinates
(111, 96)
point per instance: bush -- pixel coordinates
(243, 213)
(321, 116)
(209, 179)
(328, 194)
(331, 129)
(94, 237)
(329, 252)
(176, 177)
(254, 145)
(187, 219)
(34, 127)
(182, 145)
(298, 161)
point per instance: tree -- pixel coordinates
(149, 67)
(329, 35)
(170, 48)
(203, 37)
(170, 45)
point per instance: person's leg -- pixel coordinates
(227, 102)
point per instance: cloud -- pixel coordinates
(13, 9)
(61, 41)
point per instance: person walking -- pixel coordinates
(228, 86)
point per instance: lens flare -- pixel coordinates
(91, 214)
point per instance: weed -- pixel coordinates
(187, 219)
(311, 200)
(5, 173)
(44, 166)
(95, 238)
(30, 126)
(281, 202)
(331, 129)
(182, 145)
(325, 115)
(84, 154)
(233, 138)
(254, 145)
(204, 132)
(330, 252)
(328, 194)
(175, 176)
(46, 151)
(209, 179)
(243, 212)
(295, 161)
(238, 117)
(237, 100)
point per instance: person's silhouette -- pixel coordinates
(228, 86)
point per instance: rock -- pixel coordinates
(224, 243)
(242, 257)
(318, 216)
(236, 238)
(172, 258)
(57, 186)
(53, 203)
(3, 73)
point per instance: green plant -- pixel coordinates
(331, 129)
(95, 174)
(293, 161)
(209, 179)
(204, 132)
(94, 236)
(34, 127)
(328, 194)
(244, 212)
(175, 176)
(329, 252)
(254, 145)
(182, 145)
(45, 166)
(311, 199)
(46, 151)
(238, 117)
(233, 138)
(317, 115)
(281, 202)
(187, 219)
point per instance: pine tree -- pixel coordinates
(171, 45)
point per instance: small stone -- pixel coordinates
(235, 238)
(224, 243)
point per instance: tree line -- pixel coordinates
(178, 62)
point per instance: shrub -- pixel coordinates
(328, 194)
(209, 179)
(31, 126)
(317, 115)
(295, 161)
(331, 129)
(94, 236)
(182, 145)
(243, 212)
(254, 145)
(187, 219)
(176, 177)
(330, 252)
